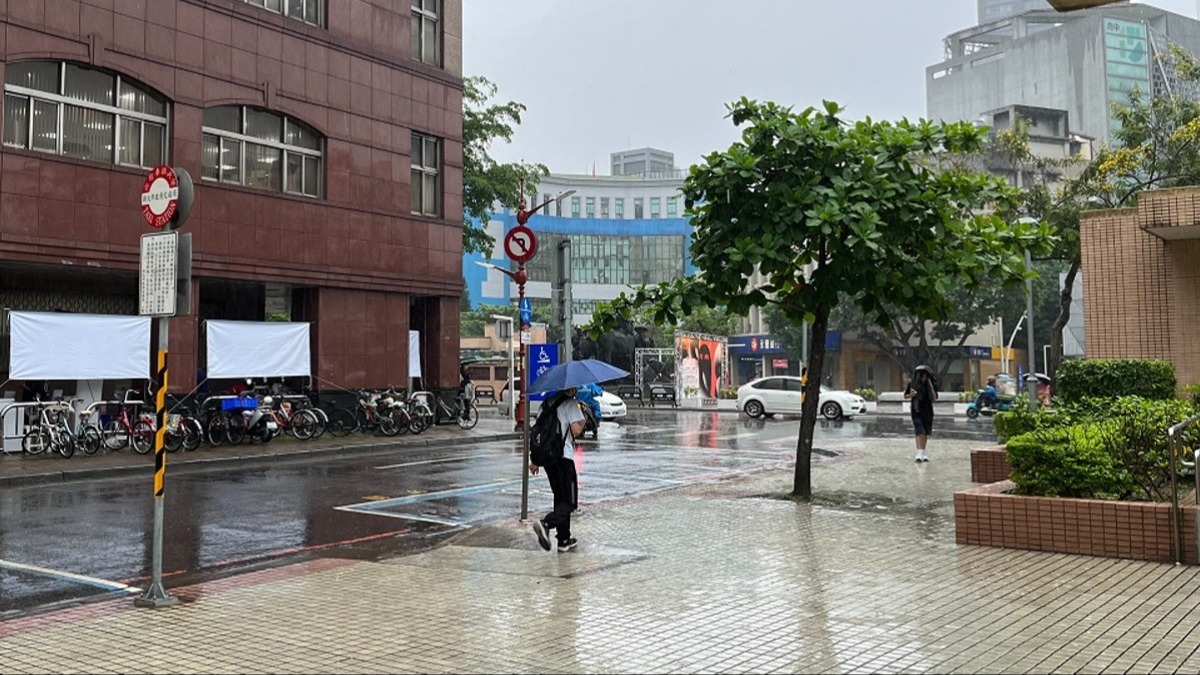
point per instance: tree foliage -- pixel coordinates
(472, 322)
(820, 206)
(486, 181)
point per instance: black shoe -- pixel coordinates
(539, 528)
(568, 545)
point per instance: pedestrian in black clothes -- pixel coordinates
(921, 393)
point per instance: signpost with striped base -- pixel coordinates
(165, 267)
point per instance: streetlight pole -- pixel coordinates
(1031, 354)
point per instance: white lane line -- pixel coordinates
(68, 576)
(403, 516)
(441, 460)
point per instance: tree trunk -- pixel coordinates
(1064, 315)
(812, 401)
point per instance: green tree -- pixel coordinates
(1157, 146)
(819, 206)
(486, 181)
(464, 302)
(472, 322)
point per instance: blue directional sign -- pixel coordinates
(526, 312)
(542, 357)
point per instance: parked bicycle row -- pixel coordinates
(63, 427)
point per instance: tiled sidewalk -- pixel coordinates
(718, 578)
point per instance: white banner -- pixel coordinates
(56, 346)
(238, 349)
(414, 353)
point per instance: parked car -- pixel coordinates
(780, 394)
(612, 407)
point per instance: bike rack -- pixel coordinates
(1179, 454)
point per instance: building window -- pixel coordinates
(426, 175)
(426, 32)
(638, 207)
(619, 260)
(619, 203)
(655, 207)
(591, 207)
(80, 112)
(308, 11)
(604, 207)
(574, 207)
(558, 207)
(672, 207)
(260, 149)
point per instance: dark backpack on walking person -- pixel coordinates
(546, 438)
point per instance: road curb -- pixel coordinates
(197, 464)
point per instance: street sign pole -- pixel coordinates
(166, 262)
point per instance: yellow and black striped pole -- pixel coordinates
(156, 595)
(160, 425)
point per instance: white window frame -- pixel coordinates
(268, 5)
(421, 14)
(118, 114)
(287, 149)
(435, 171)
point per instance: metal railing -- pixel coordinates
(1179, 452)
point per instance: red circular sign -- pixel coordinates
(160, 197)
(520, 244)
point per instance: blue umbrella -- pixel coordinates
(575, 374)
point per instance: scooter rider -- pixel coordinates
(990, 398)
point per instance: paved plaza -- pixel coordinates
(720, 577)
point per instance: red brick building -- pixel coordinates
(325, 141)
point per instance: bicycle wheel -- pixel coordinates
(426, 414)
(115, 435)
(142, 437)
(303, 425)
(389, 424)
(193, 433)
(90, 440)
(469, 416)
(322, 422)
(218, 430)
(403, 419)
(174, 439)
(63, 443)
(236, 431)
(36, 440)
(342, 422)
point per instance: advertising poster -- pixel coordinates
(699, 366)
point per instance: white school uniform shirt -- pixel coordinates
(568, 413)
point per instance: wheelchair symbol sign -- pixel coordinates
(543, 357)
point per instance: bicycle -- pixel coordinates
(184, 431)
(53, 432)
(463, 412)
(300, 422)
(366, 416)
(120, 431)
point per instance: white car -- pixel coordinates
(781, 394)
(611, 406)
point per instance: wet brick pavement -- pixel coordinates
(724, 577)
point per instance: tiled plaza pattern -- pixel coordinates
(717, 578)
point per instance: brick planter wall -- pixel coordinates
(989, 465)
(989, 516)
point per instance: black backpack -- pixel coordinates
(546, 438)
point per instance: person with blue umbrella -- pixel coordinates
(563, 410)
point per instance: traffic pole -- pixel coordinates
(156, 596)
(524, 403)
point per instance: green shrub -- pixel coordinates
(866, 393)
(727, 393)
(1192, 393)
(1096, 448)
(1068, 462)
(1024, 418)
(1109, 378)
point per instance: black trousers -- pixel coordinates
(565, 485)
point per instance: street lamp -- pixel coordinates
(1031, 376)
(512, 399)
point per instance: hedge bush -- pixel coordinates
(1068, 462)
(1097, 448)
(1112, 378)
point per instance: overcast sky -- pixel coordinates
(605, 75)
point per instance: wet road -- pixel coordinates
(84, 540)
